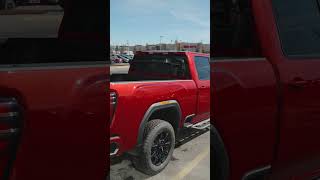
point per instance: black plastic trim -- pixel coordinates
(148, 114)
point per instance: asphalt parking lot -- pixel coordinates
(191, 160)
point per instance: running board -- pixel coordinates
(201, 125)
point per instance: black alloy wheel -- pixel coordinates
(160, 148)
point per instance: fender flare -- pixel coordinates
(219, 155)
(154, 107)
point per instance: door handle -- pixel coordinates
(298, 83)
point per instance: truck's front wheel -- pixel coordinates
(157, 149)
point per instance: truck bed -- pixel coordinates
(136, 97)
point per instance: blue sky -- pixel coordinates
(144, 21)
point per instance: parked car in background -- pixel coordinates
(124, 58)
(116, 59)
(130, 57)
(119, 58)
(265, 84)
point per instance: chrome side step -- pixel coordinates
(200, 125)
(114, 148)
(187, 125)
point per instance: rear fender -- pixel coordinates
(153, 108)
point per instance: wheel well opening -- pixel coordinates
(169, 114)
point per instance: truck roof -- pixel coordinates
(168, 52)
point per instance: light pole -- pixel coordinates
(201, 43)
(160, 41)
(128, 47)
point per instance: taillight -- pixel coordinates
(113, 103)
(10, 124)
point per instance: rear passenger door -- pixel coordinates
(298, 24)
(203, 84)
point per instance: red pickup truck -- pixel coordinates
(265, 89)
(162, 93)
(53, 76)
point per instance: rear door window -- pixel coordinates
(234, 34)
(203, 67)
(54, 31)
(299, 27)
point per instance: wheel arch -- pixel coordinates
(157, 107)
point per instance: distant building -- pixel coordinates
(176, 46)
(183, 46)
(206, 48)
(194, 47)
(139, 48)
(152, 47)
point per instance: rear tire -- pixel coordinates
(157, 148)
(219, 155)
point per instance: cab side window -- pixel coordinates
(203, 67)
(43, 32)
